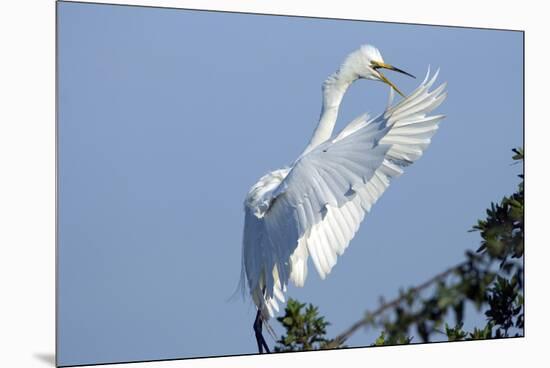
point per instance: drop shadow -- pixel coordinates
(47, 358)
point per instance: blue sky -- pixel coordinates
(167, 117)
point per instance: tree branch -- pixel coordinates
(369, 316)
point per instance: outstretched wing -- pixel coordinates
(318, 207)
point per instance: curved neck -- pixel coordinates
(334, 89)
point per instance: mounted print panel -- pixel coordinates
(233, 183)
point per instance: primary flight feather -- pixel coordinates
(313, 208)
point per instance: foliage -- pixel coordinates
(490, 278)
(305, 330)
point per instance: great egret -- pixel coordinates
(315, 206)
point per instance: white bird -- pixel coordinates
(313, 208)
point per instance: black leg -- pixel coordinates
(258, 331)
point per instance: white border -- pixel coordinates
(27, 181)
(395, 11)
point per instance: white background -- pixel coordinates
(27, 179)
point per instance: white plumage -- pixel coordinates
(313, 208)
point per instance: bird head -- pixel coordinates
(367, 63)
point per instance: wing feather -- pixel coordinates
(316, 207)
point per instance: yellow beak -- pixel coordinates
(380, 65)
